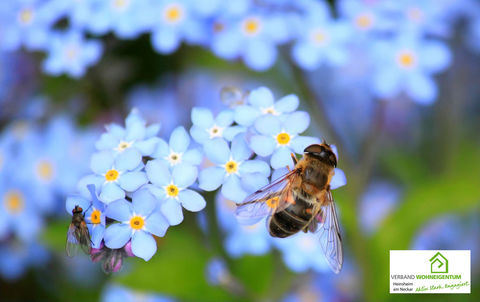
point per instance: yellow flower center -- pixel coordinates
(364, 21)
(95, 217)
(137, 222)
(172, 190)
(251, 26)
(406, 59)
(216, 131)
(120, 5)
(71, 52)
(26, 16)
(173, 13)
(415, 14)
(272, 202)
(111, 175)
(14, 201)
(231, 167)
(319, 36)
(218, 27)
(45, 170)
(123, 145)
(283, 138)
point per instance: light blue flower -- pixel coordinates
(408, 64)
(172, 189)
(261, 102)
(115, 175)
(135, 136)
(115, 293)
(139, 220)
(68, 52)
(176, 151)
(237, 175)
(206, 127)
(94, 213)
(366, 17)
(280, 137)
(16, 257)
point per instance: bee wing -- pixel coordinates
(71, 247)
(267, 200)
(326, 228)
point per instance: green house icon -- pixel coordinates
(438, 264)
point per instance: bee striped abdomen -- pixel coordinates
(292, 219)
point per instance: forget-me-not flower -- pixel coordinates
(206, 127)
(176, 151)
(237, 175)
(139, 220)
(172, 189)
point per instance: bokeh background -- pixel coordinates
(393, 84)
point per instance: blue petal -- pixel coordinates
(193, 157)
(152, 130)
(281, 158)
(143, 202)
(110, 192)
(143, 245)
(232, 189)
(165, 40)
(299, 143)
(263, 145)
(200, 135)
(240, 149)
(74, 201)
(297, 122)
(135, 132)
(179, 140)
(184, 175)
(261, 98)
(120, 210)
(421, 88)
(117, 235)
(434, 56)
(101, 162)
(131, 181)
(386, 82)
(202, 117)
(211, 178)
(253, 181)
(229, 133)
(156, 224)
(338, 180)
(224, 118)
(287, 104)
(107, 141)
(172, 210)
(116, 130)
(87, 180)
(246, 115)
(268, 125)
(191, 200)
(96, 234)
(134, 118)
(226, 45)
(255, 166)
(260, 54)
(128, 159)
(217, 150)
(148, 146)
(306, 56)
(162, 149)
(157, 172)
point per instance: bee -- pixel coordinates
(78, 234)
(301, 200)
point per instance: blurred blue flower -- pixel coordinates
(237, 175)
(16, 257)
(366, 17)
(115, 175)
(139, 220)
(176, 151)
(280, 137)
(320, 39)
(115, 293)
(217, 271)
(94, 211)
(68, 52)
(136, 136)
(407, 64)
(261, 102)
(206, 127)
(171, 189)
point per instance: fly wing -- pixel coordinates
(83, 236)
(267, 200)
(326, 228)
(71, 247)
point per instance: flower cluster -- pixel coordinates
(140, 183)
(403, 39)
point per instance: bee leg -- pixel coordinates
(293, 158)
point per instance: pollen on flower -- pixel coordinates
(95, 216)
(215, 131)
(270, 110)
(120, 4)
(174, 158)
(231, 167)
(14, 201)
(364, 21)
(251, 26)
(111, 175)
(319, 36)
(137, 222)
(283, 138)
(26, 16)
(272, 202)
(45, 170)
(172, 190)
(173, 13)
(406, 59)
(122, 146)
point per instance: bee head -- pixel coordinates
(77, 210)
(322, 152)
